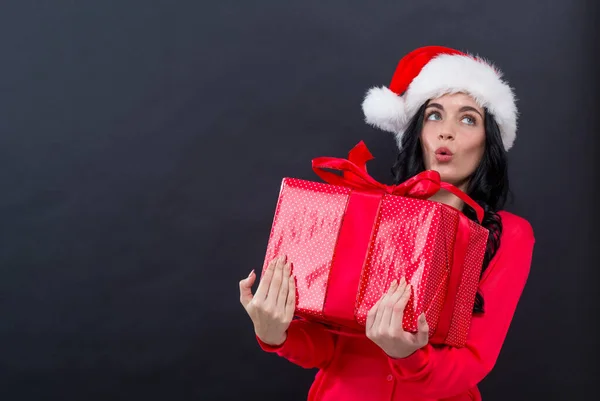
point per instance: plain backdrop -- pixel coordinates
(142, 145)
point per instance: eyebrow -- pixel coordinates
(462, 109)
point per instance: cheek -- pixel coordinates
(427, 145)
(427, 136)
(475, 149)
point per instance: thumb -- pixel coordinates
(423, 331)
(246, 288)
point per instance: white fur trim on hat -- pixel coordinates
(384, 109)
(445, 74)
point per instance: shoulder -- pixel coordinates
(514, 256)
(515, 227)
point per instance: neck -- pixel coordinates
(450, 199)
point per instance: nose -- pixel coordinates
(446, 135)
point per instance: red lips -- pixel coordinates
(443, 155)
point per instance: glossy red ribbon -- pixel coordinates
(363, 207)
(422, 186)
(353, 241)
(461, 244)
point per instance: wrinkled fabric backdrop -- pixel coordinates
(142, 145)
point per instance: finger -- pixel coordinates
(276, 281)
(422, 331)
(400, 307)
(246, 288)
(383, 305)
(371, 316)
(265, 281)
(284, 288)
(399, 291)
(290, 305)
(391, 307)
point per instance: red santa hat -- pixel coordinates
(432, 71)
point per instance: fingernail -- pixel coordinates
(251, 272)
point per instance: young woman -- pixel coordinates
(450, 112)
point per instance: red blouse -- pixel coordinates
(355, 368)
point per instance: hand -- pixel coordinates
(272, 307)
(384, 323)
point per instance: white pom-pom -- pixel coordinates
(384, 109)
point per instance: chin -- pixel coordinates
(447, 174)
(450, 180)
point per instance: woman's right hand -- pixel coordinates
(272, 307)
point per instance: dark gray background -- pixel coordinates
(142, 144)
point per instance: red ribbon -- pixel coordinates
(422, 186)
(350, 254)
(461, 244)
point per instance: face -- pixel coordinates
(453, 137)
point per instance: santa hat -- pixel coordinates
(432, 71)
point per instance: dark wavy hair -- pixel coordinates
(488, 186)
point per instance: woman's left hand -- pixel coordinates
(384, 323)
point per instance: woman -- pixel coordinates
(450, 112)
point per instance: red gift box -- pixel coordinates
(350, 237)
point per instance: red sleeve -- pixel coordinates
(443, 371)
(307, 344)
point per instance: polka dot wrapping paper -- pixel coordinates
(346, 246)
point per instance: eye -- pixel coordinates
(469, 120)
(434, 116)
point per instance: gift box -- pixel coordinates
(350, 236)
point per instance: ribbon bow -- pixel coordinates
(421, 186)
